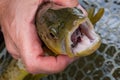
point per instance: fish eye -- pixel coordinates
(53, 33)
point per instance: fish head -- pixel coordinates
(67, 31)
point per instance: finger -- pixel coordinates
(66, 3)
(47, 65)
(58, 4)
(54, 64)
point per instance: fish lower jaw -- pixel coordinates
(86, 46)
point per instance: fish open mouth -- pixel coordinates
(83, 38)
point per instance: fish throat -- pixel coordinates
(82, 37)
(76, 37)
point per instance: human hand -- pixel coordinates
(17, 21)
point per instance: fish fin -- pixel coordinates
(91, 12)
(94, 18)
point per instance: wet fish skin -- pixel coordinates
(54, 27)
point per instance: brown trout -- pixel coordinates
(67, 31)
